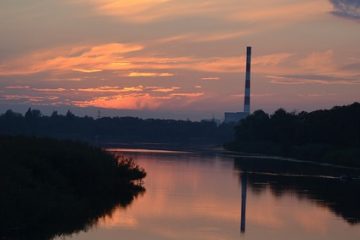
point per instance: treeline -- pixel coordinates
(324, 135)
(110, 129)
(51, 187)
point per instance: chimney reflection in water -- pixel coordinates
(243, 201)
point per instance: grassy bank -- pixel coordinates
(50, 187)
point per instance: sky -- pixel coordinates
(177, 58)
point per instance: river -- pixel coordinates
(200, 196)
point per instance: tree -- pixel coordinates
(32, 114)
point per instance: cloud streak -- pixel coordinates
(137, 97)
(116, 57)
(161, 51)
(84, 59)
(300, 79)
(150, 74)
(145, 11)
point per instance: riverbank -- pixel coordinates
(320, 153)
(229, 150)
(52, 187)
(325, 136)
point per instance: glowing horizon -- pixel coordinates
(175, 55)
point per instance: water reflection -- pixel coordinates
(208, 197)
(69, 217)
(324, 186)
(243, 201)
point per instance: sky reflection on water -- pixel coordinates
(199, 197)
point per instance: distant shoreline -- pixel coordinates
(216, 149)
(295, 154)
(325, 136)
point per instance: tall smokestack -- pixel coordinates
(247, 81)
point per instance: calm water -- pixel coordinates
(193, 196)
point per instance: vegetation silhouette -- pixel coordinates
(321, 184)
(324, 136)
(52, 187)
(113, 129)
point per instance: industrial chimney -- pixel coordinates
(247, 81)
(234, 117)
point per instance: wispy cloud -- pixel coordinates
(137, 97)
(109, 89)
(204, 37)
(139, 101)
(86, 70)
(115, 57)
(86, 59)
(281, 12)
(129, 101)
(29, 98)
(210, 78)
(195, 94)
(144, 11)
(150, 74)
(262, 63)
(49, 89)
(163, 90)
(319, 61)
(300, 79)
(17, 87)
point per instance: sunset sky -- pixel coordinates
(178, 58)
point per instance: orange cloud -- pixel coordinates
(281, 68)
(29, 98)
(129, 97)
(86, 70)
(116, 57)
(131, 101)
(262, 64)
(86, 59)
(149, 74)
(49, 89)
(210, 78)
(113, 57)
(280, 12)
(143, 11)
(164, 90)
(204, 37)
(191, 95)
(109, 89)
(288, 80)
(136, 10)
(17, 87)
(135, 100)
(219, 36)
(319, 61)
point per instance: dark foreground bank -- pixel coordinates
(331, 136)
(50, 187)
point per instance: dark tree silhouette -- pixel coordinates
(51, 187)
(325, 135)
(106, 129)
